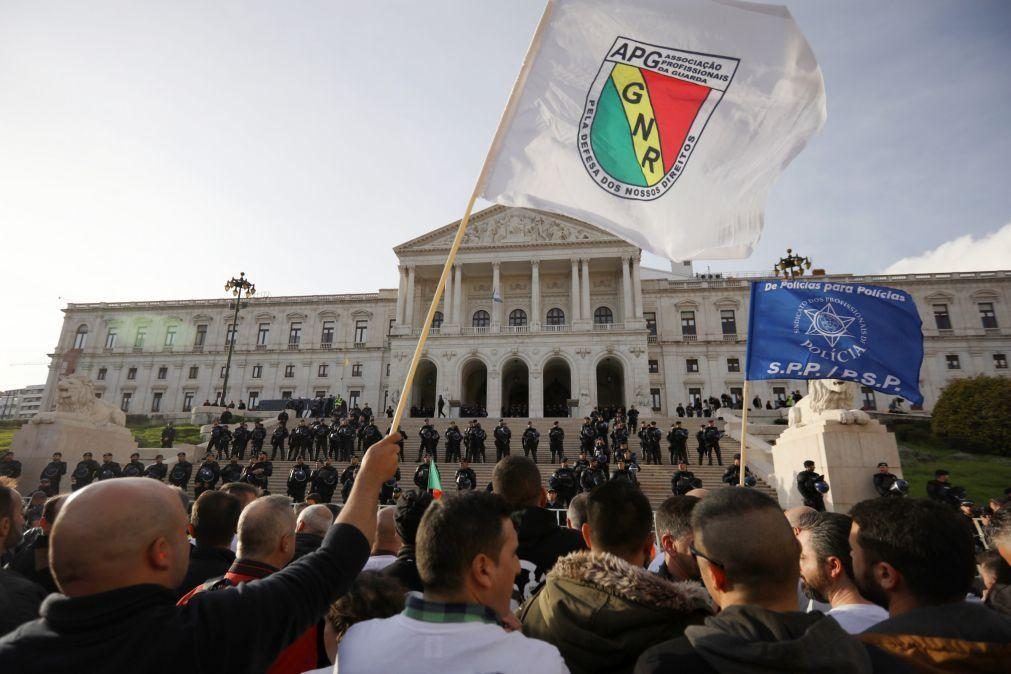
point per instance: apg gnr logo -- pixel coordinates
(645, 113)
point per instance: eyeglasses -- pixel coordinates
(697, 554)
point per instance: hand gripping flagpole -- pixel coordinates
(507, 115)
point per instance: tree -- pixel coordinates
(974, 415)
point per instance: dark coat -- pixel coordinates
(205, 563)
(20, 599)
(541, 543)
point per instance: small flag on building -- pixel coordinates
(434, 481)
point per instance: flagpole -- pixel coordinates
(744, 431)
(496, 143)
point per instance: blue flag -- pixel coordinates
(819, 329)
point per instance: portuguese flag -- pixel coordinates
(434, 482)
(642, 120)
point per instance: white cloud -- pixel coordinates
(966, 253)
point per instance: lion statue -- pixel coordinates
(828, 400)
(76, 401)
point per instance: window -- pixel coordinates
(289, 371)
(124, 402)
(254, 400)
(941, 317)
(257, 371)
(779, 393)
(650, 317)
(1000, 361)
(286, 395)
(737, 395)
(987, 315)
(230, 334)
(101, 373)
(323, 370)
(262, 334)
(728, 321)
(694, 395)
(354, 397)
(953, 362)
(389, 328)
(156, 401)
(387, 369)
(556, 316)
(110, 339)
(692, 365)
(170, 335)
(654, 366)
(81, 338)
(654, 397)
(361, 331)
(187, 401)
(517, 318)
(295, 333)
(869, 402)
(437, 320)
(138, 340)
(356, 370)
(733, 364)
(201, 337)
(481, 319)
(131, 373)
(688, 323)
(221, 374)
(194, 372)
(603, 316)
(327, 336)
(163, 372)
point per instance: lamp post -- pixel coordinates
(237, 286)
(792, 265)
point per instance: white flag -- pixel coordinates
(664, 122)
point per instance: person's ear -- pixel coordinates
(585, 530)
(834, 568)
(667, 544)
(159, 554)
(191, 530)
(719, 577)
(481, 571)
(887, 576)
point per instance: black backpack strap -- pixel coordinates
(219, 583)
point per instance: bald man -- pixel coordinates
(748, 557)
(119, 549)
(310, 529)
(19, 597)
(387, 543)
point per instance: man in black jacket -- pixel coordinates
(683, 480)
(19, 597)
(179, 475)
(108, 469)
(213, 524)
(257, 436)
(84, 473)
(168, 436)
(453, 439)
(677, 441)
(258, 473)
(411, 507)
(277, 439)
(807, 480)
(9, 466)
(231, 471)
(883, 481)
(54, 472)
(465, 478)
(566, 481)
(157, 470)
(324, 480)
(531, 438)
(310, 528)
(298, 480)
(134, 468)
(556, 440)
(502, 436)
(208, 475)
(240, 438)
(429, 440)
(541, 541)
(121, 588)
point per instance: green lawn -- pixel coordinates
(150, 436)
(983, 475)
(6, 438)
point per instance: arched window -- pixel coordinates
(481, 319)
(81, 338)
(437, 320)
(517, 317)
(603, 315)
(556, 316)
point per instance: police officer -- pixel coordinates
(655, 436)
(593, 476)
(732, 475)
(531, 438)
(207, 477)
(683, 480)
(633, 416)
(703, 450)
(258, 473)
(157, 470)
(179, 476)
(300, 442)
(619, 436)
(54, 472)
(478, 436)
(579, 467)
(429, 440)
(622, 473)
(168, 436)
(277, 439)
(806, 480)
(465, 478)
(257, 437)
(502, 436)
(84, 472)
(370, 434)
(324, 480)
(453, 439)
(321, 432)
(231, 471)
(240, 438)
(225, 442)
(214, 444)
(712, 437)
(566, 481)
(109, 468)
(556, 440)
(347, 440)
(421, 475)
(883, 481)
(677, 444)
(587, 435)
(347, 478)
(135, 468)
(298, 480)
(643, 434)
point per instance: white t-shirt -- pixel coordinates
(855, 618)
(379, 562)
(383, 646)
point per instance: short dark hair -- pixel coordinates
(924, 540)
(577, 510)
(674, 516)
(51, 508)
(517, 480)
(372, 595)
(830, 537)
(8, 501)
(236, 488)
(453, 532)
(619, 516)
(993, 562)
(411, 506)
(215, 518)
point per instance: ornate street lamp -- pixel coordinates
(237, 286)
(792, 265)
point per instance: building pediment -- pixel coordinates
(504, 227)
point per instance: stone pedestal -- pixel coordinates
(34, 445)
(846, 454)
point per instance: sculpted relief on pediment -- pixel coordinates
(517, 228)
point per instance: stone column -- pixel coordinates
(457, 294)
(447, 299)
(496, 307)
(401, 290)
(409, 306)
(587, 310)
(637, 286)
(626, 288)
(575, 291)
(535, 295)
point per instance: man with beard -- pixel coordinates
(883, 481)
(453, 440)
(298, 480)
(240, 438)
(826, 571)
(84, 473)
(257, 436)
(258, 474)
(324, 480)
(208, 474)
(157, 470)
(19, 597)
(502, 436)
(135, 468)
(531, 438)
(54, 472)
(9, 466)
(674, 532)
(109, 469)
(168, 436)
(465, 478)
(231, 471)
(556, 440)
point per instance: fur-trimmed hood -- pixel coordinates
(602, 612)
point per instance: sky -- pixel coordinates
(152, 150)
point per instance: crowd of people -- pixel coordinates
(132, 575)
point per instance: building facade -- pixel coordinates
(543, 315)
(21, 403)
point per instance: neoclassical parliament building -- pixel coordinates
(542, 314)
